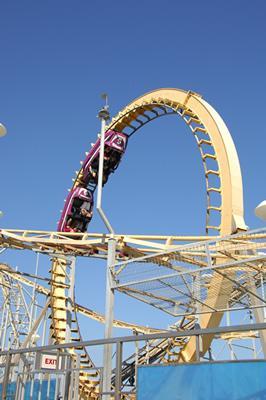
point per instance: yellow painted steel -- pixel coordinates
(7, 270)
(199, 110)
(207, 121)
(58, 300)
(209, 130)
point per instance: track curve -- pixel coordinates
(223, 188)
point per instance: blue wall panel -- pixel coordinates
(38, 387)
(205, 381)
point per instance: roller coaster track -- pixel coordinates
(162, 350)
(6, 269)
(159, 350)
(221, 169)
(87, 380)
(150, 246)
(224, 202)
(90, 244)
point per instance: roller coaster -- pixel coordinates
(193, 279)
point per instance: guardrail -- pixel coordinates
(51, 372)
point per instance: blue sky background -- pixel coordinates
(57, 57)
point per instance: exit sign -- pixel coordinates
(48, 361)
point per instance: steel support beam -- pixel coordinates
(6, 376)
(118, 370)
(69, 311)
(109, 316)
(258, 313)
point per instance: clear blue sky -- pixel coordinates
(56, 57)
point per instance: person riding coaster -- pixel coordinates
(115, 146)
(81, 212)
(80, 218)
(74, 217)
(111, 160)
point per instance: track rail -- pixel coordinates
(90, 244)
(224, 211)
(159, 350)
(87, 312)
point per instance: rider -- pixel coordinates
(80, 219)
(94, 167)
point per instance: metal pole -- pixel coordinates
(119, 348)
(40, 376)
(6, 377)
(197, 294)
(147, 352)
(33, 305)
(263, 294)
(76, 378)
(5, 313)
(198, 342)
(70, 303)
(109, 316)
(103, 116)
(109, 302)
(258, 312)
(197, 347)
(70, 296)
(136, 358)
(228, 323)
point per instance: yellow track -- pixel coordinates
(221, 165)
(237, 247)
(216, 148)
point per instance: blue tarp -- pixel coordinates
(11, 390)
(205, 381)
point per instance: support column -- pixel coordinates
(118, 370)
(6, 376)
(109, 316)
(258, 312)
(70, 296)
(69, 310)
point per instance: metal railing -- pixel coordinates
(24, 374)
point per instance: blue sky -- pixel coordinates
(57, 57)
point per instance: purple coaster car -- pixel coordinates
(115, 145)
(77, 211)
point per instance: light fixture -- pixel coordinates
(3, 130)
(260, 210)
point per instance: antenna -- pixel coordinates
(104, 96)
(104, 112)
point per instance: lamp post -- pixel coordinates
(3, 130)
(104, 116)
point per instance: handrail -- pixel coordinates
(139, 338)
